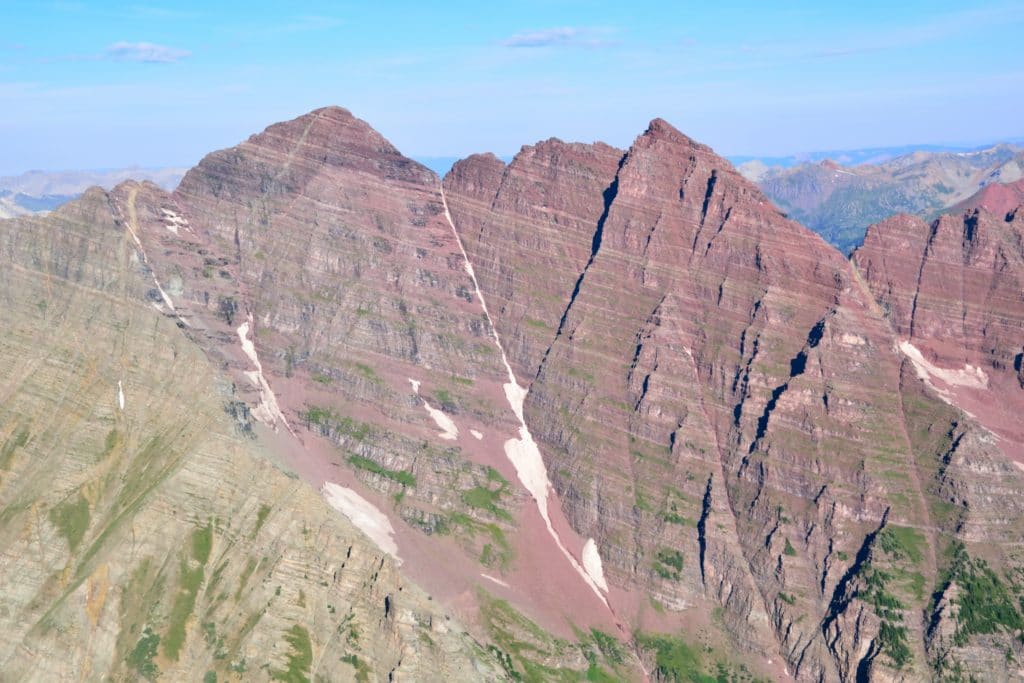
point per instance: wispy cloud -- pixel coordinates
(566, 36)
(149, 53)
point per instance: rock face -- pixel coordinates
(953, 290)
(143, 533)
(839, 202)
(999, 199)
(608, 410)
(538, 214)
(720, 401)
(302, 302)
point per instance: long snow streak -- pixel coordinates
(523, 452)
(267, 411)
(133, 225)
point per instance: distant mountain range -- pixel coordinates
(839, 201)
(36, 191)
(867, 155)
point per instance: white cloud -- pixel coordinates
(150, 53)
(566, 36)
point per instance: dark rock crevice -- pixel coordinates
(702, 539)
(844, 592)
(709, 192)
(920, 273)
(797, 366)
(595, 246)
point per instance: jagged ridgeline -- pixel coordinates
(595, 414)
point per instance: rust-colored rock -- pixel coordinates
(755, 432)
(953, 290)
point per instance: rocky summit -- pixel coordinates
(593, 414)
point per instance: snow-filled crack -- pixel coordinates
(524, 454)
(268, 410)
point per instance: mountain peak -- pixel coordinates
(660, 129)
(287, 156)
(336, 126)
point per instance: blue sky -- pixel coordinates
(105, 84)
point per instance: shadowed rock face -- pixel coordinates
(721, 400)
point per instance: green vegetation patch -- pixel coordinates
(113, 440)
(202, 543)
(71, 518)
(892, 634)
(674, 518)
(12, 444)
(675, 660)
(985, 605)
(403, 477)
(444, 398)
(487, 498)
(189, 580)
(300, 657)
(361, 667)
(368, 372)
(261, 517)
(330, 422)
(668, 564)
(536, 324)
(520, 645)
(902, 542)
(140, 659)
(496, 553)
(609, 646)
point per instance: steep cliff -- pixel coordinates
(721, 405)
(953, 290)
(591, 414)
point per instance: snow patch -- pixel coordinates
(968, 376)
(476, 435)
(523, 452)
(163, 294)
(267, 411)
(592, 563)
(497, 581)
(173, 221)
(132, 226)
(120, 395)
(448, 429)
(364, 514)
